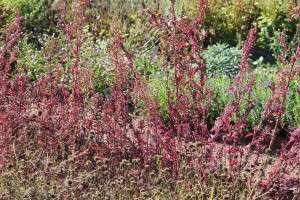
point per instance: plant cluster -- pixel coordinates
(222, 60)
(60, 137)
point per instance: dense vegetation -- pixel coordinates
(149, 99)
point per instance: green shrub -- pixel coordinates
(271, 23)
(222, 59)
(160, 86)
(38, 18)
(94, 55)
(261, 93)
(5, 16)
(230, 21)
(31, 60)
(219, 86)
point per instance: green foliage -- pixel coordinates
(292, 114)
(160, 86)
(95, 56)
(220, 98)
(222, 60)
(261, 93)
(5, 16)
(230, 21)
(37, 16)
(31, 60)
(271, 23)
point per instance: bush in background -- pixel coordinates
(38, 18)
(222, 60)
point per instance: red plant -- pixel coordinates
(275, 105)
(8, 89)
(188, 104)
(241, 90)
